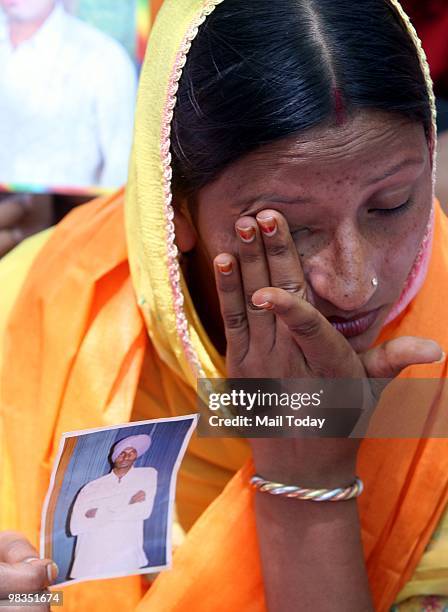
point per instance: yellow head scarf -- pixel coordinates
(172, 324)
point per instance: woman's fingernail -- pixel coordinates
(268, 225)
(30, 559)
(225, 268)
(247, 234)
(52, 571)
(264, 305)
(442, 359)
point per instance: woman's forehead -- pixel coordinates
(365, 134)
(370, 146)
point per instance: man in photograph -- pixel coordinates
(67, 99)
(108, 514)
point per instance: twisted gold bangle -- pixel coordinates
(317, 495)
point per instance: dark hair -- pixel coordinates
(259, 71)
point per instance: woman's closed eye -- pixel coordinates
(396, 210)
(297, 231)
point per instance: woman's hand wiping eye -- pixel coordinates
(272, 329)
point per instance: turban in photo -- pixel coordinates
(140, 442)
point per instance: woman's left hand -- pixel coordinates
(275, 332)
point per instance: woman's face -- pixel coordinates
(357, 198)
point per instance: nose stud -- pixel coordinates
(374, 282)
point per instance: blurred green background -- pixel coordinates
(115, 17)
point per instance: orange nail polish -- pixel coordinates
(247, 234)
(225, 268)
(268, 225)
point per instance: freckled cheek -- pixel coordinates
(396, 260)
(314, 253)
(215, 227)
(394, 265)
(388, 261)
(221, 241)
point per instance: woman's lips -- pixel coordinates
(355, 325)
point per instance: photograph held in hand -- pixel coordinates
(110, 505)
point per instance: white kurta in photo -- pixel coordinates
(66, 106)
(112, 541)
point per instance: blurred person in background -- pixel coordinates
(22, 215)
(67, 103)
